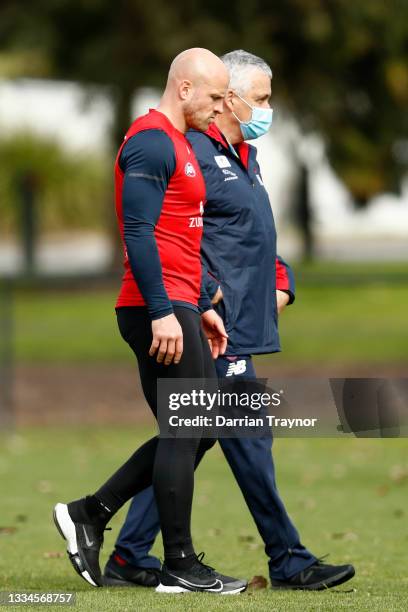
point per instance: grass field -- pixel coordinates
(342, 314)
(347, 497)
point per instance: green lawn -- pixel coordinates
(342, 314)
(347, 497)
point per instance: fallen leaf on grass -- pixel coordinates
(382, 490)
(7, 530)
(214, 532)
(348, 536)
(246, 538)
(258, 582)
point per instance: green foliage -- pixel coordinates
(73, 191)
(340, 66)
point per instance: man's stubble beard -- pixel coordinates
(192, 118)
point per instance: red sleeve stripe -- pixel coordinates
(282, 277)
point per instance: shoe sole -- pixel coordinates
(320, 586)
(66, 528)
(162, 588)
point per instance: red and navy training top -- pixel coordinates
(160, 197)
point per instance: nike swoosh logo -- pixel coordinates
(209, 587)
(87, 540)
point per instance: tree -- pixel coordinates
(341, 67)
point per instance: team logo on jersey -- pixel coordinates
(222, 161)
(189, 169)
(237, 367)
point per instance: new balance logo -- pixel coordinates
(304, 576)
(238, 367)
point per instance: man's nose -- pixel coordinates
(219, 107)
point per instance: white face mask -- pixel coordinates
(258, 124)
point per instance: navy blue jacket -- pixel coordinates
(239, 244)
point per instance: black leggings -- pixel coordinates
(167, 463)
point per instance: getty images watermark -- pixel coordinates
(288, 407)
(230, 403)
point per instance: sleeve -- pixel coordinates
(285, 280)
(148, 162)
(204, 301)
(210, 282)
(209, 287)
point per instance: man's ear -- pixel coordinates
(185, 89)
(229, 99)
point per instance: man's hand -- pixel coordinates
(214, 329)
(217, 297)
(282, 299)
(167, 340)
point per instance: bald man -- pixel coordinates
(164, 317)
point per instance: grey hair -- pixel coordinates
(240, 64)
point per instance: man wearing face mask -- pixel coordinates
(249, 285)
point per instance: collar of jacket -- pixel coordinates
(243, 148)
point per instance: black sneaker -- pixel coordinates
(119, 573)
(84, 541)
(317, 577)
(199, 578)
